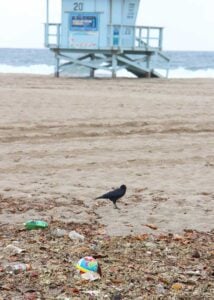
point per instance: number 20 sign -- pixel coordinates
(78, 6)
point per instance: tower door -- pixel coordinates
(83, 30)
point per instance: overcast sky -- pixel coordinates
(189, 24)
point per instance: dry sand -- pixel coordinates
(66, 141)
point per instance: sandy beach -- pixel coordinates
(66, 141)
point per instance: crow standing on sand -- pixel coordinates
(114, 195)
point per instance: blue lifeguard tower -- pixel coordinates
(102, 34)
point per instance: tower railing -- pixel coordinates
(52, 35)
(142, 37)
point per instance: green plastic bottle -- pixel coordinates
(35, 225)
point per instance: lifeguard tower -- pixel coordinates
(102, 34)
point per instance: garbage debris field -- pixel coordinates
(145, 266)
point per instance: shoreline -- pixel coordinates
(107, 77)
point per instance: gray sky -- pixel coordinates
(189, 24)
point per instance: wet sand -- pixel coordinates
(66, 141)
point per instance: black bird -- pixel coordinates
(114, 195)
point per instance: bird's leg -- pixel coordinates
(115, 206)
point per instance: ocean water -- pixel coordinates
(183, 64)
